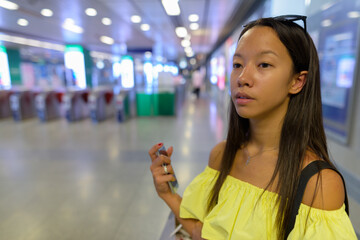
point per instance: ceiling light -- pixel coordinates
(353, 14)
(106, 21)
(8, 5)
(190, 54)
(171, 7)
(181, 32)
(69, 24)
(135, 18)
(193, 18)
(107, 40)
(46, 12)
(31, 42)
(22, 22)
(145, 27)
(188, 49)
(194, 26)
(326, 23)
(185, 43)
(91, 12)
(34, 43)
(327, 5)
(69, 21)
(148, 54)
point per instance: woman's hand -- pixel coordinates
(196, 233)
(161, 178)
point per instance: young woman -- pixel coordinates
(253, 182)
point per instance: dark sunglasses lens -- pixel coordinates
(293, 19)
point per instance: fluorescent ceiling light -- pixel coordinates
(107, 40)
(190, 54)
(70, 26)
(32, 42)
(101, 55)
(145, 27)
(188, 49)
(46, 12)
(69, 21)
(194, 26)
(181, 32)
(148, 54)
(171, 7)
(193, 18)
(8, 5)
(327, 5)
(22, 22)
(91, 12)
(135, 19)
(106, 21)
(353, 14)
(185, 43)
(326, 23)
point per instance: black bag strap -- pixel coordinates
(309, 171)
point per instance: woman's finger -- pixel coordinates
(163, 170)
(153, 151)
(170, 151)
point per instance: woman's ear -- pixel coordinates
(298, 82)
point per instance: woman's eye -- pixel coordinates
(236, 65)
(264, 65)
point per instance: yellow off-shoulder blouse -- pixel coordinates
(239, 214)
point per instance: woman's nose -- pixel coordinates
(245, 77)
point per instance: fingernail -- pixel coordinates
(159, 144)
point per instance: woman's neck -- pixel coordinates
(265, 134)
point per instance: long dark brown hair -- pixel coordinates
(302, 129)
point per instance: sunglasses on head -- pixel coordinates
(289, 18)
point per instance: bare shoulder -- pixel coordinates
(325, 190)
(216, 155)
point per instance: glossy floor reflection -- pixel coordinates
(85, 181)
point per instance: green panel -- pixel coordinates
(75, 48)
(127, 105)
(144, 104)
(166, 103)
(14, 66)
(88, 68)
(155, 101)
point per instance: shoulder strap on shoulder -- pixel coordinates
(309, 171)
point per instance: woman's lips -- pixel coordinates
(243, 98)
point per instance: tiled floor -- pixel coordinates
(86, 181)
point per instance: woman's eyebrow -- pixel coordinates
(237, 55)
(268, 52)
(265, 52)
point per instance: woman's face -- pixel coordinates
(262, 75)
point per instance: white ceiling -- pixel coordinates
(161, 38)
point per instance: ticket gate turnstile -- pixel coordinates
(22, 104)
(75, 105)
(48, 105)
(121, 114)
(5, 110)
(101, 105)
